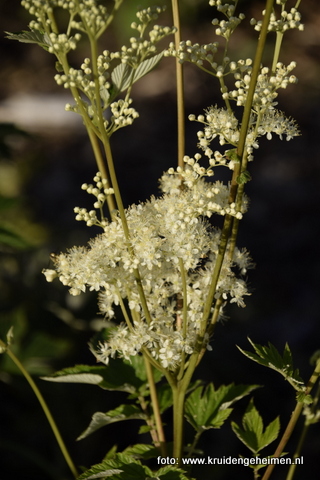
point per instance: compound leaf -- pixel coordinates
(269, 356)
(123, 412)
(253, 434)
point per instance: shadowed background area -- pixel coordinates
(45, 157)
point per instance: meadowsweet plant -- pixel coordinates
(164, 263)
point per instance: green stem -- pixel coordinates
(292, 422)
(185, 298)
(180, 89)
(254, 78)
(156, 409)
(45, 409)
(304, 432)
(277, 49)
(229, 222)
(225, 234)
(179, 393)
(102, 169)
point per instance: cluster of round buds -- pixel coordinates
(158, 33)
(101, 190)
(139, 49)
(287, 21)
(90, 217)
(194, 53)
(267, 85)
(189, 175)
(103, 62)
(145, 16)
(122, 115)
(226, 8)
(226, 27)
(93, 16)
(70, 5)
(62, 43)
(38, 9)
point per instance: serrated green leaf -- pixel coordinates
(146, 66)
(144, 429)
(209, 408)
(31, 36)
(303, 398)
(271, 432)
(123, 76)
(105, 473)
(203, 409)
(171, 472)
(123, 412)
(137, 363)
(142, 450)
(129, 469)
(252, 434)
(117, 375)
(269, 356)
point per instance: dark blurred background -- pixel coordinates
(45, 157)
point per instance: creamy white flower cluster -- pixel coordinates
(288, 20)
(218, 123)
(222, 124)
(170, 241)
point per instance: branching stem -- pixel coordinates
(45, 409)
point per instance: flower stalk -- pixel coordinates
(44, 407)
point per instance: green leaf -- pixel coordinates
(252, 434)
(146, 66)
(165, 398)
(244, 177)
(117, 375)
(123, 76)
(144, 429)
(123, 412)
(209, 408)
(11, 239)
(124, 467)
(31, 36)
(141, 450)
(270, 357)
(139, 376)
(232, 155)
(171, 472)
(105, 96)
(303, 398)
